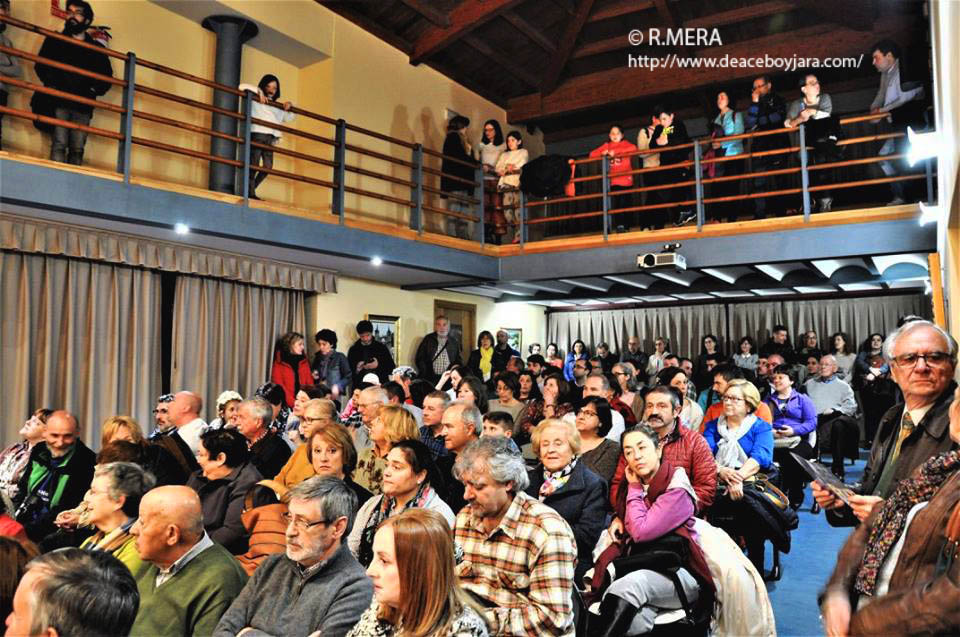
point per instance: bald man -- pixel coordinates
(184, 414)
(57, 477)
(191, 580)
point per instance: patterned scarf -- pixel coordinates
(553, 480)
(892, 517)
(384, 510)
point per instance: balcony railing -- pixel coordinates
(590, 211)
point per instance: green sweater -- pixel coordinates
(192, 601)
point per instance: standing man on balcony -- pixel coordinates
(766, 112)
(9, 65)
(903, 97)
(814, 109)
(68, 143)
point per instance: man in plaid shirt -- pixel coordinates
(518, 554)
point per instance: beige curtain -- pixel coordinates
(224, 333)
(80, 336)
(683, 326)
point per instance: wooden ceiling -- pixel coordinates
(562, 64)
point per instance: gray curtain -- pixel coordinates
(683, 326)
(224, 334)
(77, 335)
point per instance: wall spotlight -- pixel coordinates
(923, 145)
(376, 261)
(181, 228)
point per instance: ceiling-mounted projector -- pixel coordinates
(666, 259)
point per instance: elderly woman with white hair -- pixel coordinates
(564, 483)
(228, 410)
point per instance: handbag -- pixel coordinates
(265, 524)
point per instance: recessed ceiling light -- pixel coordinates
(376, 261)
(181, 228)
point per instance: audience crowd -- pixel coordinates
(600, 493)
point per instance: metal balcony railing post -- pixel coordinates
(416, 192)
(698, 186)
(478, 193)
(804, 173)
(247, 146)
(340, 170)
(126, 122)
(929, 169)
(523, 219)
(605, 171)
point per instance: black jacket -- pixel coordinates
(768, 113)
(677, 137)
(930, 438)
(360, 352)
(453, 146)
(269, 454)
(582, 502)
(69, 82)
(222, 503)
(337, 371)
(78, 472)
(427, 352)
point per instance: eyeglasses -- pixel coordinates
(620, 374)
(733, 399)
(299, 523)
(933, 359)
(587, 412)
(319, 419)
(159, 411)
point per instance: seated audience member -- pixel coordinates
(415, 584)
(499, 423)
(555, 403)
(683, 447)
(330, 452)
(764, 383)
(15, 554)
(502, 353)
(598, 385)
(295, 430)
(330, 367)
(581, 370)
(878, 393)
(153, 457)
(369, 403)
(222, 482)
(891, 577)
(15, 458)
(621, 163)
(191, 580)
(291, 369)
(833, 399)
(113, 503)
(569, 487)
(536, 364)
(686, 365)
(317, 414)
(274, 394)
(923, 359)
(809, 366)
(268, 451)
(474, 392)
(317, 585)
(742, 445)
(626, 376)
(508, 393)
(607, 358)
(392, 424)
(434, 405)
(74, 592)
(809, 343)
(709, 351)
(161, 420)
(578, 352)
(518, 554)
(56, 478)
(462, 424)
(658, 359)
(410, 480)
(660, 501)
(529, 381)
(713, 404)
(553, 356)
(184, 414)
(691, 416)
(842, 349)
(398, 392)
(228, 404)
(794, 431)
(779, 343)
(636, 357)
(747, 357)
(597, 451)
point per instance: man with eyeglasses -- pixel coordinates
(923, 359)
(316, 586)
(767, 111)
(160, 418)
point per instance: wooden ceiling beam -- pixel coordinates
(742, 14)
(619, 9)
(567, 42)
(531, 32)
(370, 26)
(620, 84)
(503, 61)
(428, 11)
(469, 15)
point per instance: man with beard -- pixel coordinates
(317, 585)
(68, 143)
(681, 446)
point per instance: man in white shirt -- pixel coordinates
(184, 414)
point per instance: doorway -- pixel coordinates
(463, 323)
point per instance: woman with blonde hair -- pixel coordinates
(153, 457)
(317, 414)
(331, 453)
(414, 582)
(392, 424)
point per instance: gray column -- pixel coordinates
(232, 32)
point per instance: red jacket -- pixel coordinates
(618, 164)
(282, 374)
(687, 449)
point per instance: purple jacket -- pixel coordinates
(799, 413)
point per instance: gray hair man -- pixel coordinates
(268, 450)
(462, 424)
(369, 403)
(317, 585)
(836, 406)
(508, 536)
(923, 359)
(191, 580)
(74, 592)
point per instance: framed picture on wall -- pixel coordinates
(386, 330)
(514, 337)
